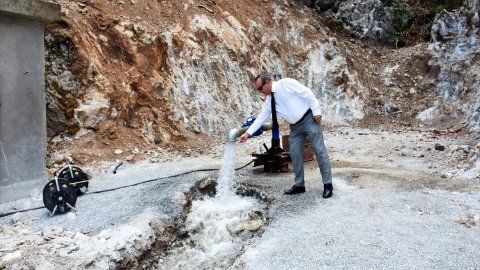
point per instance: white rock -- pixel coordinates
(252, 225)
(105, 234)
(13, 255)
(103, 39)
(71, 215)
(80, 236)
(180, 198)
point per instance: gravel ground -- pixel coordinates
(397, 204)
(118, 220)
(131, 190)
(365, 229)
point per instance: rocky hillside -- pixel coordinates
(129, 79)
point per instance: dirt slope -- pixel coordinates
(123, 68)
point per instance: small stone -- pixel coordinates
(13, 255)
(253, 225)
(207, 181)
(118, 152)
(48, 235)
(158, 86)
(71, 216)
(103, 39)
(185, 249)
(439, 147)
(180, 198)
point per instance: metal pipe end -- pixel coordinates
(233, 134)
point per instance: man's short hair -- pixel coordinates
(263, 77)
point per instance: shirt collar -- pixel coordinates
(274, 86)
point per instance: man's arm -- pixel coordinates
(264, 114)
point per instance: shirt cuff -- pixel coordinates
(316, 112)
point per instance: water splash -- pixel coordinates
(217, 226)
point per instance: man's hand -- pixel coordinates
(318, 118)
(244, 137)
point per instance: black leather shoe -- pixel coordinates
(295, 190)
(327, 190)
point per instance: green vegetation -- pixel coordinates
(402, 16)
(412, 20)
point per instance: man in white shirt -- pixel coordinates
(297, 104)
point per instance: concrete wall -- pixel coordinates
(22, 97)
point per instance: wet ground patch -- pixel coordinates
(211, 231)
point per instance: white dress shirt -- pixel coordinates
(293, 99)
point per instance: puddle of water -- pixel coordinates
(217, 226)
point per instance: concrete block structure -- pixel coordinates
(23, 136)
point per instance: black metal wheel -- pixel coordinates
(59, 198)
(76, 177)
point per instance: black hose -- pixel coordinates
(136, 184)
(156, 179)
(116, 167)
(21, 211)
(244, 166)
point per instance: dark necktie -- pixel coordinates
(275, 131)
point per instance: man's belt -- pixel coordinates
(303, 117)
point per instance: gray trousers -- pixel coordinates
(298, 135)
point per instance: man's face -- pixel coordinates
(262, 87)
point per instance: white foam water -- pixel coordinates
(217, 226)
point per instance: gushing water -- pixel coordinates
(227, 172)
(217, 226)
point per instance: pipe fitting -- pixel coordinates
(234, 133)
